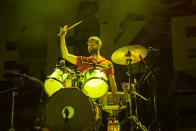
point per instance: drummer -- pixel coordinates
(95, 59)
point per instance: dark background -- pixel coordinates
(28, 44)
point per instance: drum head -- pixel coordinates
(69, 109)
(95, 88)
(51, 86)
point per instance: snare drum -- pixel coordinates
(57, 80)
(113, 101)
(95, 82)
(113, 98)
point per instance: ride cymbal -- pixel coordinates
(133, 52)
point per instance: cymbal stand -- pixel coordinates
(129, 104)
(151, 72)
(13, 106)
(40, 120)
(12, 111)
(130, 96)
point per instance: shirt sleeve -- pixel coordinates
(111, 70)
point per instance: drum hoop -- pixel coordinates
(95, 68)
(96, 77)
(54, 79)
(106, 81)
(89, 101)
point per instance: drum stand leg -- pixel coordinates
(12, 111)
(40, 122)
(133, 119)
(138, 123)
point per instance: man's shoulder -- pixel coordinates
(84, 59)
(106, 61)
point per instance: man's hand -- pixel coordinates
(65, 54)
(63, 31)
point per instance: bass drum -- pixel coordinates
(70, 109)
(59, 79)
(95, 83)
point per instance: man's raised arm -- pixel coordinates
(64, 52)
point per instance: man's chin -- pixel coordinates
(93, 53)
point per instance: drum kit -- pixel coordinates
(76, 100)
(75, 106)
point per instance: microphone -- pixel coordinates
(94, 64)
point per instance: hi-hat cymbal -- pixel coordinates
(132, 52)
(28, 81)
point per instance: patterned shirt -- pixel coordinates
(84, 63)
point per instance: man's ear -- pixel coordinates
(99, 46)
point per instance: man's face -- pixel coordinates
(93, 47)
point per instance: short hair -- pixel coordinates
(97, 39)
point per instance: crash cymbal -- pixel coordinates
(28, 81)
(132, 52)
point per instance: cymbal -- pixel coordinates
(132, 52)
(28, 81)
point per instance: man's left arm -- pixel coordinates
(112, 82)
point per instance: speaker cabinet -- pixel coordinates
(184, 110)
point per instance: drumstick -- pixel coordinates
(71, 27)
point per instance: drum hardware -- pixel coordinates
(60, 78)
(27, 81)
(12, 109)
(95, 83)
(134, 113)
(137, 94)
(151, 72)
(23, 80)
(76, 78)
(113, 101)
(113, 123)
(126, 56)
(132, 52)
(132, 100)
(138, 123)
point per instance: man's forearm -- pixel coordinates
(112, 81)
(64, 51)
(65, 54)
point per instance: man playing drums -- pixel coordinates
(94, 60)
